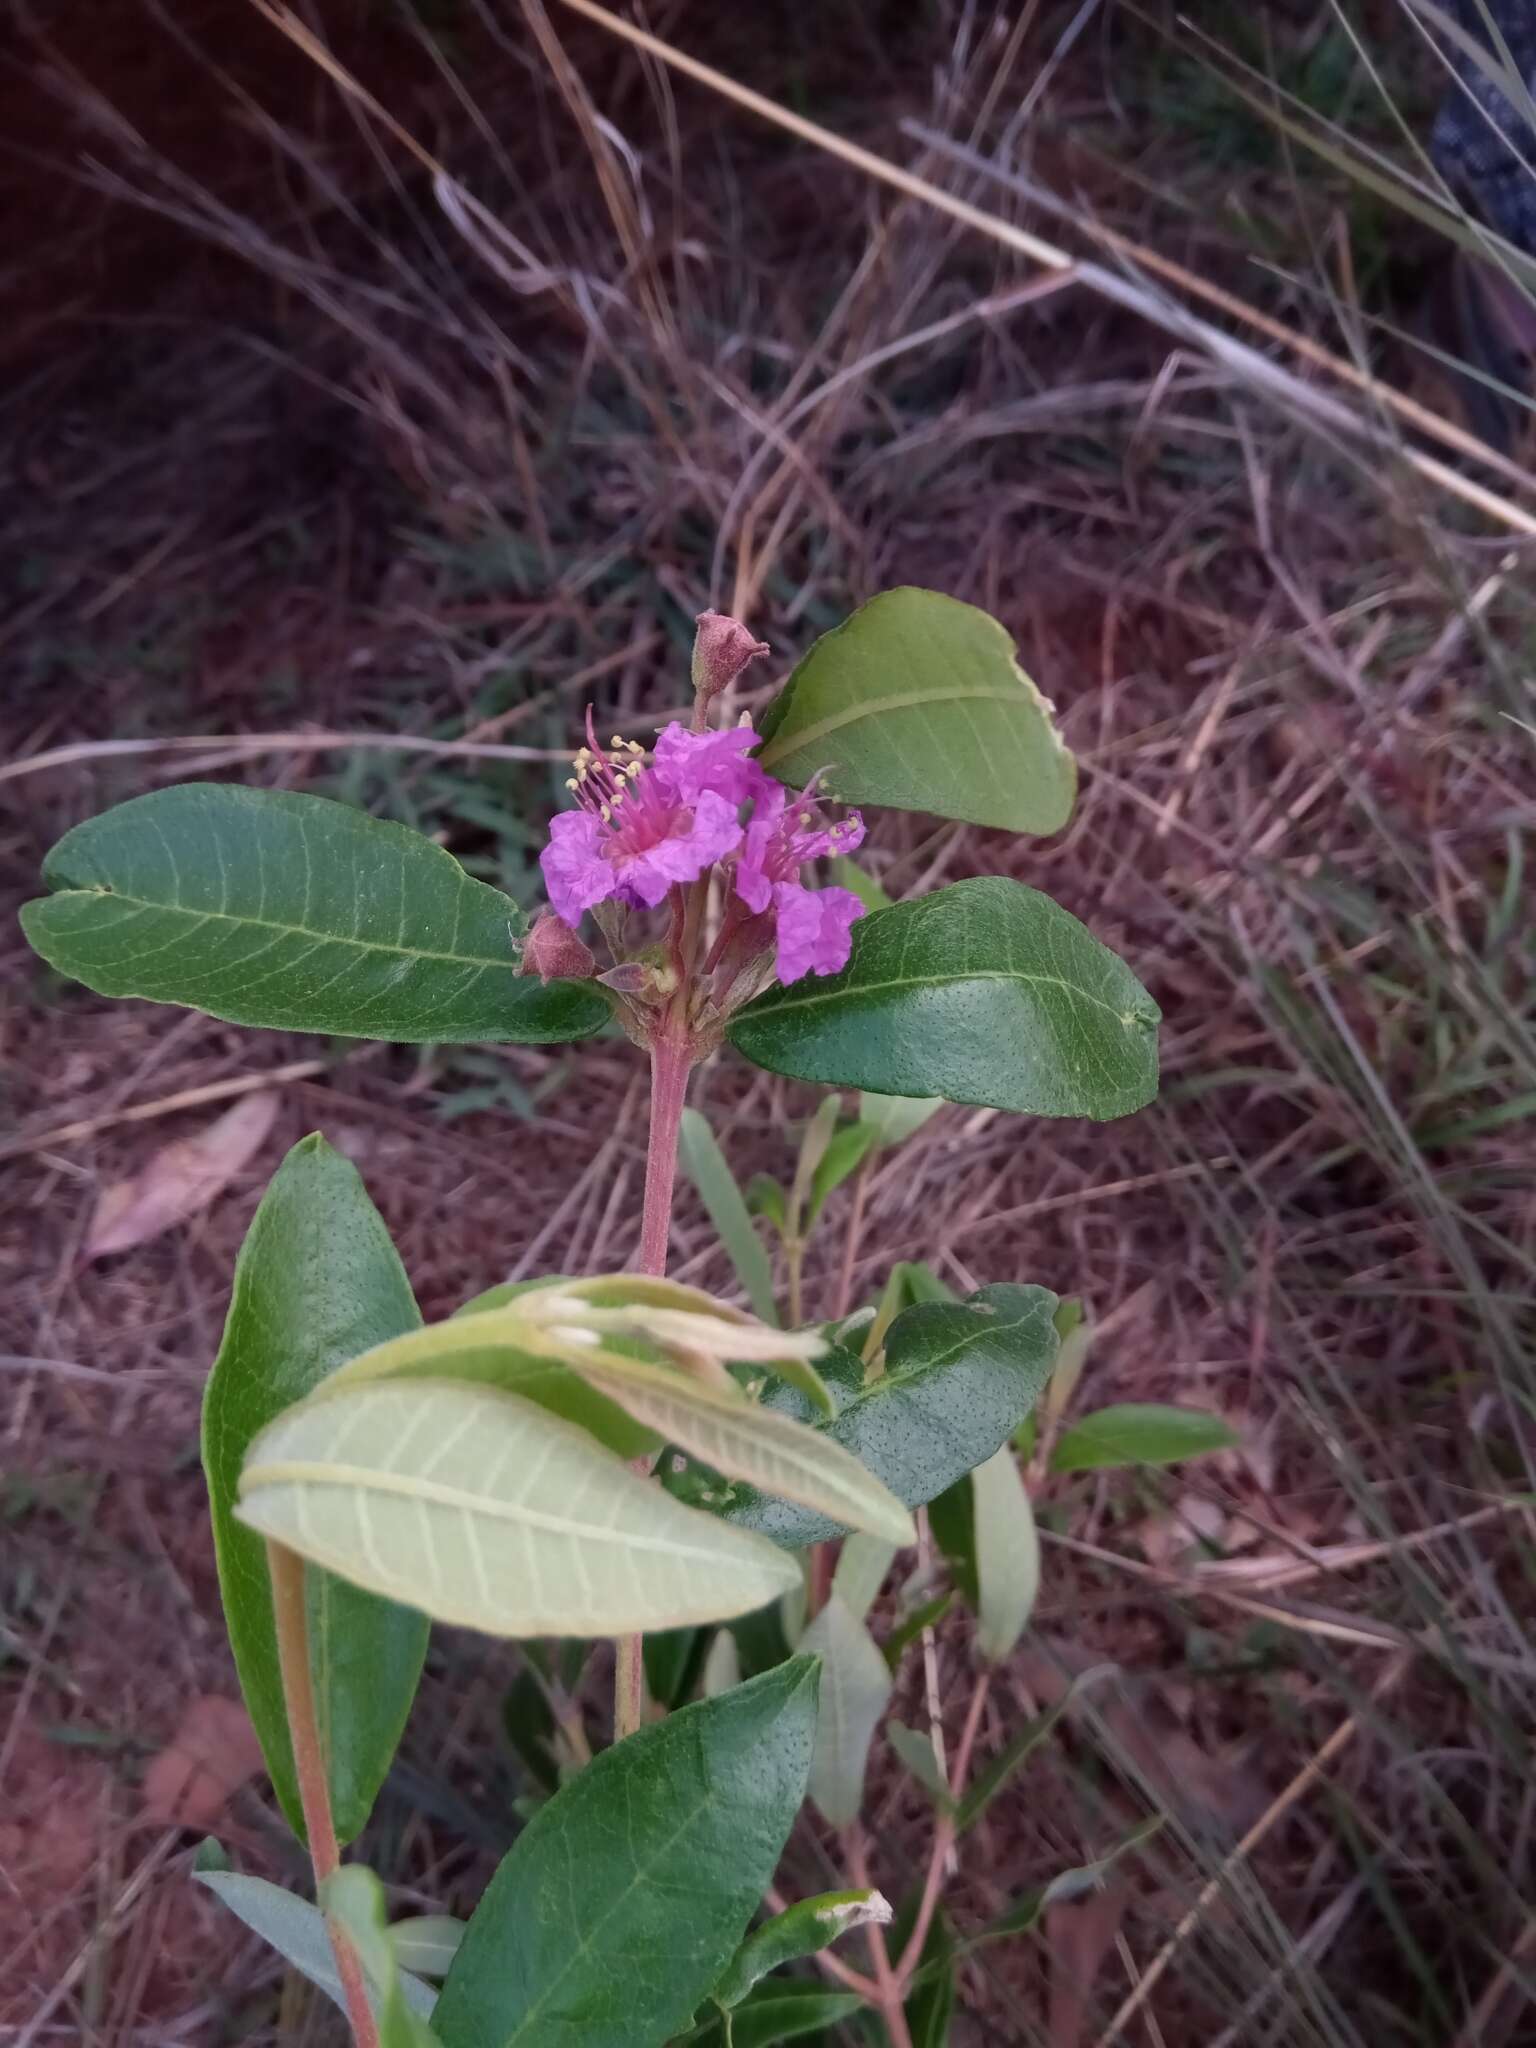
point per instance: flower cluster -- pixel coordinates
(642, 827)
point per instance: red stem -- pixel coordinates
(291, 1619)
(671, 1059)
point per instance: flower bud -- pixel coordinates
(722, 648)
(553, 952)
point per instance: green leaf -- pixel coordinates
(982, 992)
(489, 1512)
(918, 701)
(317, 1281)
(353, 1899)
(296, 913)
(705, 1165)
(958, 1380)
(897, 1117)
(800, 1930)
(764, 1197)
(778, 2011)
(298, 1932)
(952, 1523)
(861, 1569)
(623, 1900)
(427, 1943)
(846, 1152)
(673, 1658)
(916, 1752)
(1007, 1554)
(1139, 1433)
(1025, 1912)
(927, 1614)
(855, 1689)
(479, 1344)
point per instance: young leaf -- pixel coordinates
(916, 1752)
(297, 913)
(317, 1281)
(298, 1932)
(846, 1152)
(353, 1899)
(1007, 1554)
(705, 1165)
(427, 1944)
(958, 1379)
(746, 1440)
(897, 1117)
(855, 1688)
(918, 702)
(487, 1511)
(982, 992)
(800, 1930)
(623, 1900)
(1139, 1433)
(861, 1570)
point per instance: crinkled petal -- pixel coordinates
(692, 764)
(815, 929)
(644, 878)
(754, 885)
(575, 872)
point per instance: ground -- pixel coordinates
(387, 470)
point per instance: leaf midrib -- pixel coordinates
(873, 707)
(369, 1479)
(296, 931)
(945, 980)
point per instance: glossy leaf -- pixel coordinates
(982, 992)
(800, 1930)
(265, 907)
(855, 1690)
(1139, 1433)
(317, 1281)
(623, 1901)
(958, 1379)
(353, 1900)
(489, 1512)
(298, 1932)
(1007, 1554)
(918, 701)
(704, 1163)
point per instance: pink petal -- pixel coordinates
(644, 878)
(843, 838)
(575, 872)
(693, 763)
(815, 928)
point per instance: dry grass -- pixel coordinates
(714, 366)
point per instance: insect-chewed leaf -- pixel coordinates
(982, 992)
(270, 908)
(746, 1441)
(959, 1378)
(622, 1901)
(317, 1281)
(490, 1512)
(918, 701)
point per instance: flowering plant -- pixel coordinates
(623, 1459)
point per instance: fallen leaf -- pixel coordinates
(1077, 1939)
(207, 1760)
(180, 1178)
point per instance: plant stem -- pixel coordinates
(671, 1059)
(292, 1623)
(945, 1832)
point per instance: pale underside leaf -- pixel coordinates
(487, 1511)
(298, 1932)
(855, 1687)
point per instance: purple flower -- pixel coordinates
(814, 926)
(638, 830)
